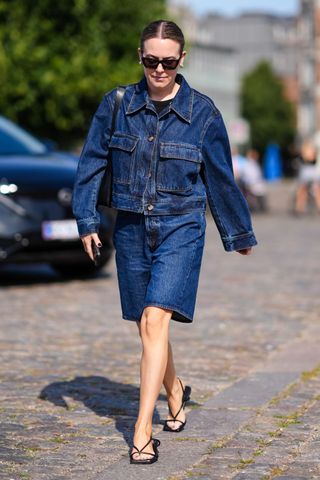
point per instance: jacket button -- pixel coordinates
(150, 207)
(151, 138)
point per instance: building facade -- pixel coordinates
(214, 71)
(222, 49)
(255, 37)
(307, 69)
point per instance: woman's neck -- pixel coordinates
(161, 94)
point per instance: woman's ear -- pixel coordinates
(183, 55)
(139, 55)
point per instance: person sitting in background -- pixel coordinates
(254, 186)
(308, 178)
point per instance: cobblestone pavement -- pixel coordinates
(69, 371)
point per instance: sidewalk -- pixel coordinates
(264, 426)
(69, 371)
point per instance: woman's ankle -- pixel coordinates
(175, 389)
(142, 429)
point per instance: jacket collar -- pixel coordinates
(182, 103)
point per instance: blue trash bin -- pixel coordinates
(272, 163)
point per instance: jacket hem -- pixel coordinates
(131, 204)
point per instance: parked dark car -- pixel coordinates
(36, 222)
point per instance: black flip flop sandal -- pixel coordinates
(146, 461)
(185, 398)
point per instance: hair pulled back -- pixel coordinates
(162, 29)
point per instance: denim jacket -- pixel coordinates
(165, 164)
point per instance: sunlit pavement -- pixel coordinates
(69, 367)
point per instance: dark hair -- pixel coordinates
(162, 29)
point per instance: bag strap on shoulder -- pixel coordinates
(119, 96)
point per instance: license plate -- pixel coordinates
(60, 230)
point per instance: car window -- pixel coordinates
(15, 140)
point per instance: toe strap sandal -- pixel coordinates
(186, 392)
(153, 456)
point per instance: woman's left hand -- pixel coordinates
(245, 251)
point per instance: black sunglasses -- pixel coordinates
(167, 63)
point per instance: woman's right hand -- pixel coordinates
(87, 243)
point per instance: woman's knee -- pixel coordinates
(154, 322)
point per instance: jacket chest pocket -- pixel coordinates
(123, 150)
(178, 167)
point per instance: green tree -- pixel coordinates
(57, 58)
(270, 115)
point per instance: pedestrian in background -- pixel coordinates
(238, 164)
(308, 177)
(254, 186)
(170, 153)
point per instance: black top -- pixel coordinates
(161, 104)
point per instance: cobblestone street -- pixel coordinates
(69, 370)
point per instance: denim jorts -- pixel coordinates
(158, 261)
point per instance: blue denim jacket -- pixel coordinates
(170, 163)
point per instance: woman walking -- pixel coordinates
(308, 178)
(170, 154)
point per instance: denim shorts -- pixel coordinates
(158, 262)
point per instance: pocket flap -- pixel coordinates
(123, 142)
(183, 151)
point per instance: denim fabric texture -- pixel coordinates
(165, 164)
(158, 260)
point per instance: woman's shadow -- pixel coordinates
(104, 397)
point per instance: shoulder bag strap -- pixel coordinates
(119, 96)
(105, 191)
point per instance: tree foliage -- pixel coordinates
(57, 58)
(270, 115)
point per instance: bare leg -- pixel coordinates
(154, 330)
(172, 386)
(301, 198)
(174, 391)
(317, 195)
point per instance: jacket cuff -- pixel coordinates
(239, 242)
(87, 226)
